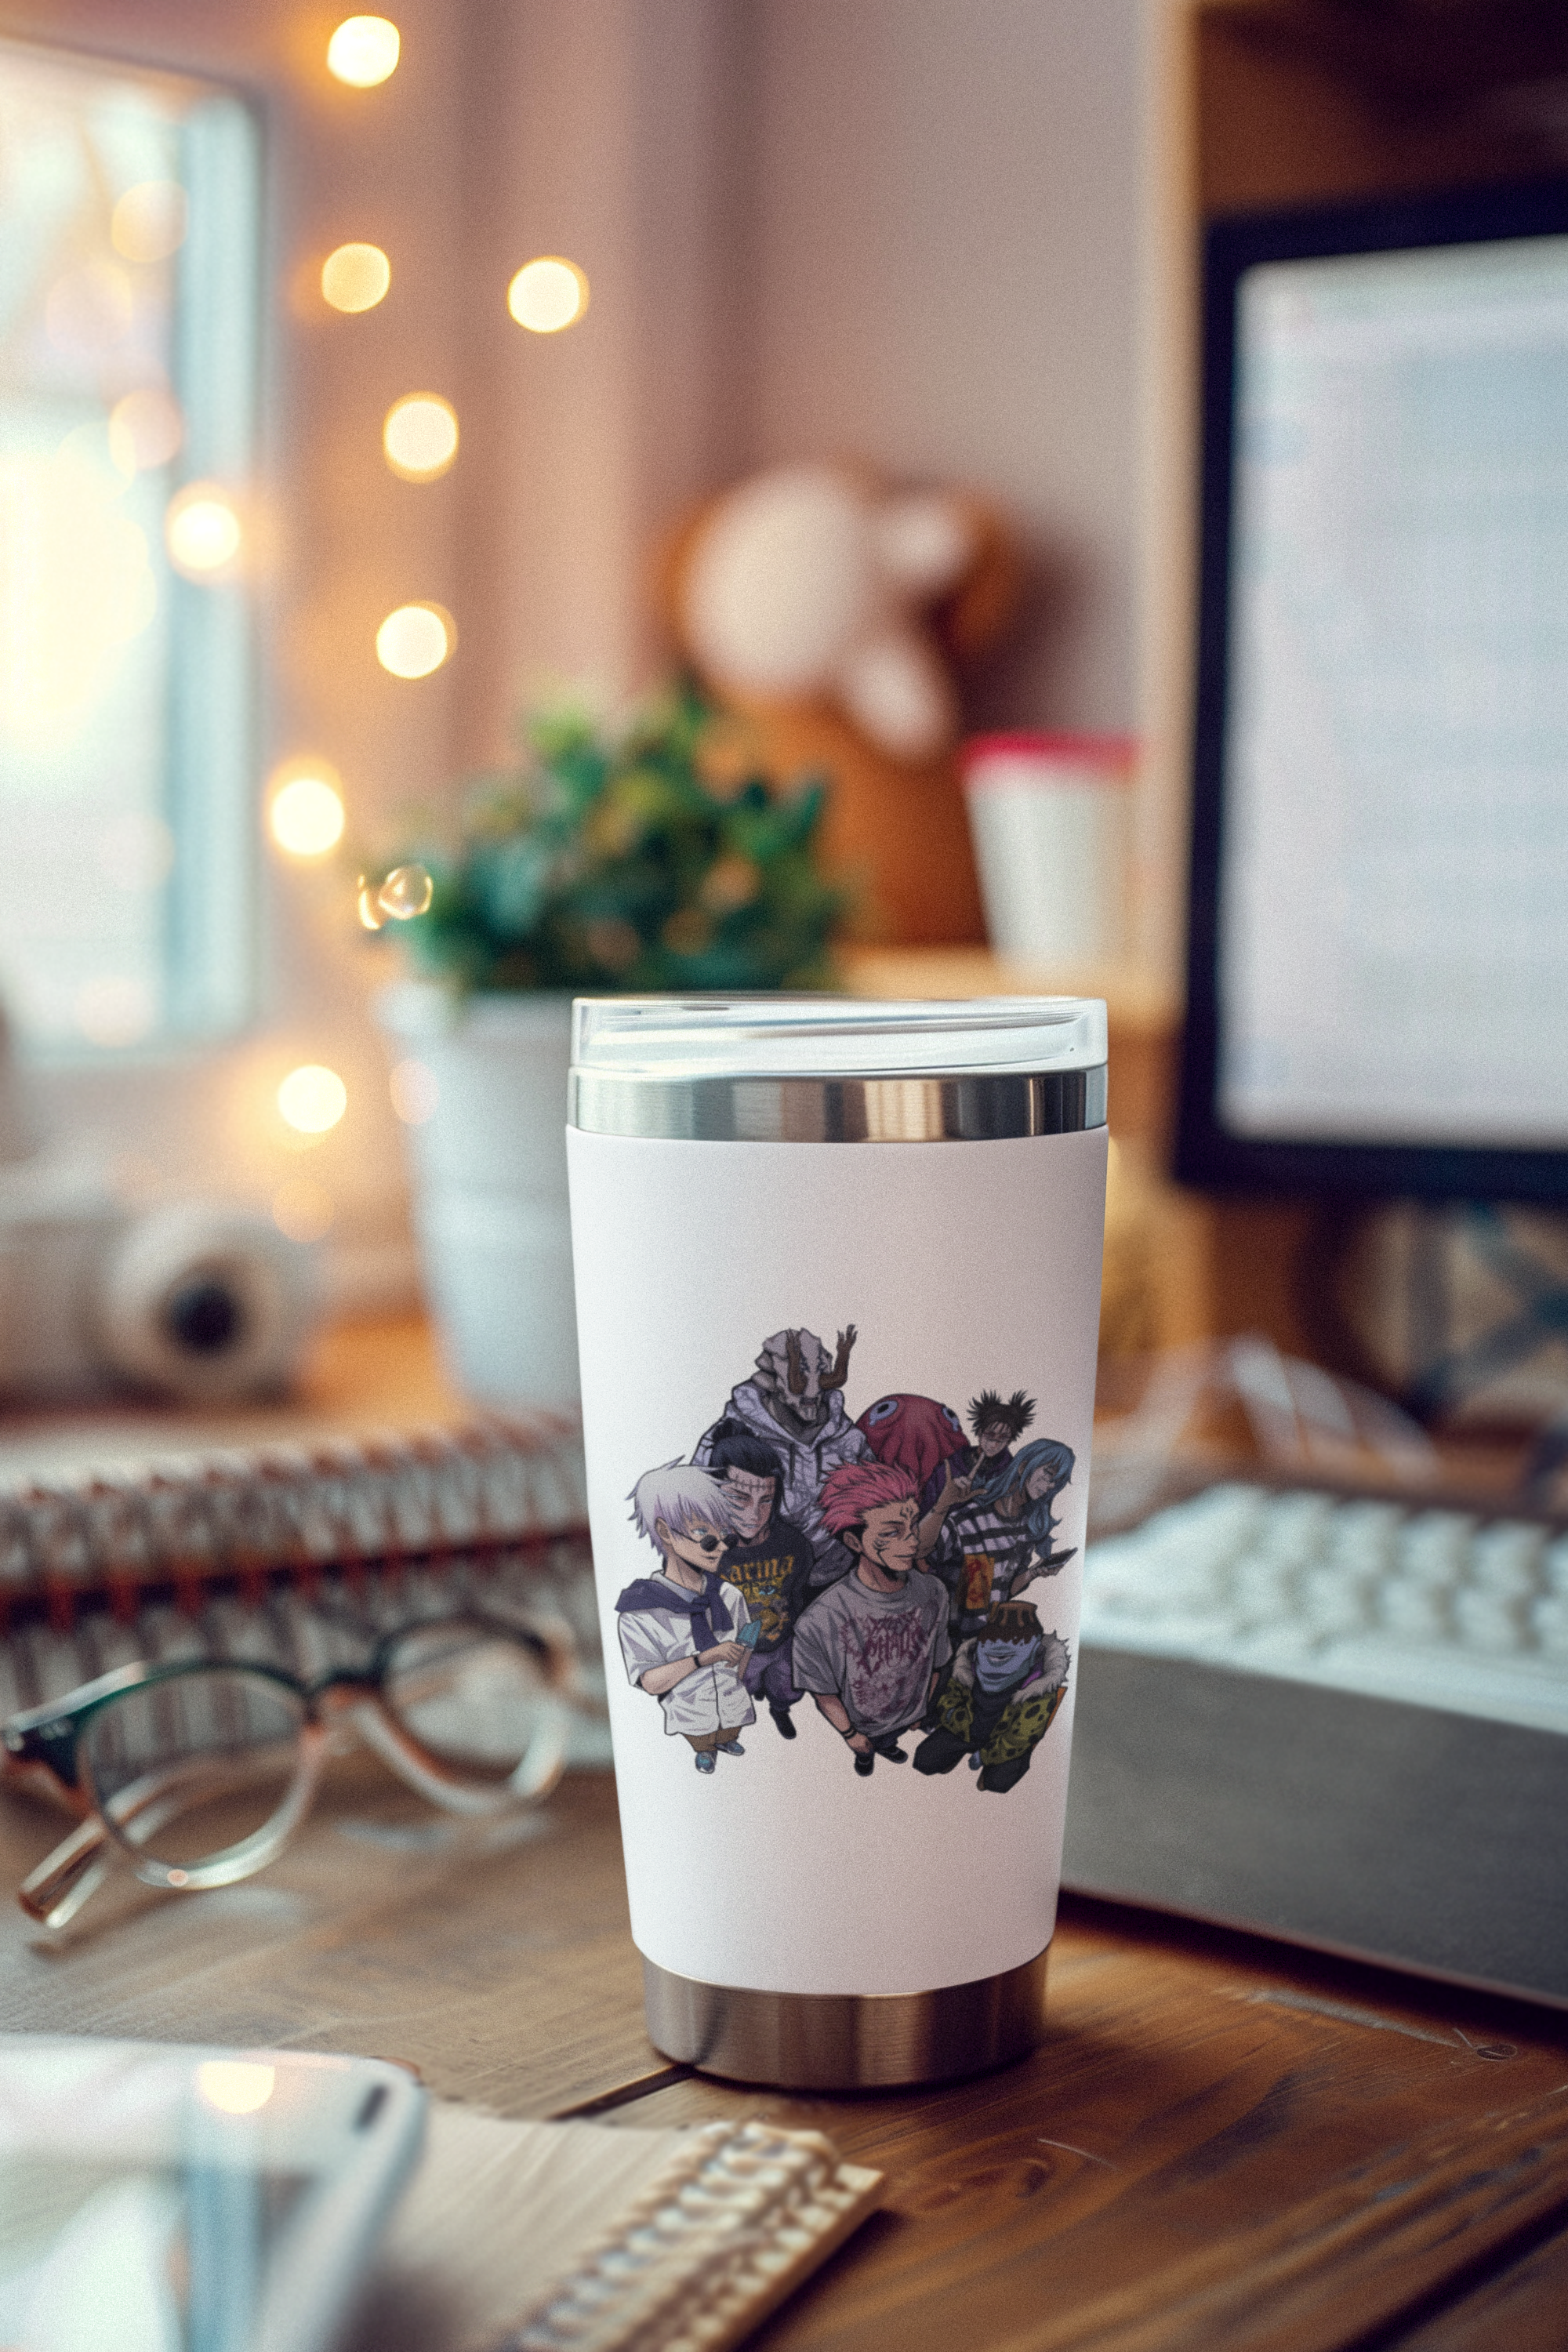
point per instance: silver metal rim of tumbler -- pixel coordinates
(847, 2042)
(984, 1108)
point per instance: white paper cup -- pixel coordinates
(1051, 820)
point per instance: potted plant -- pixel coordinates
(645, 860)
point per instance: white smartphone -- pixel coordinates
(160, 2198)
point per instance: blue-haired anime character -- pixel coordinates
(990, 1538)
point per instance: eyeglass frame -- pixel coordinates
(42, 1749)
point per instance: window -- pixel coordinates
(129, 304)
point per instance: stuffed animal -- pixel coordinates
(827, 609)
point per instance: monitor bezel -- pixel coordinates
(1208, 1154)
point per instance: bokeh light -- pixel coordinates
(202, 530)
(149, 222)
(363, 51)
(420, 436)
(145, 430)
(305, 814)
(414, 640)
(235, 2087)
(303, 1210)
(547, 295)
(312, 1098)
(355, 277)
(406, 892)
(415, 1091)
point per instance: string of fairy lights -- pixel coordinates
(420, 435)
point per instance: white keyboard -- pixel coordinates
(1433, 1607)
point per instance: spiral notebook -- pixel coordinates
(513, 2237)
(541, 2237)
(282, 1552)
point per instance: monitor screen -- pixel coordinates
(1379, 932)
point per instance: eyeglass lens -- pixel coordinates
(188, 1768)
(469, 1695)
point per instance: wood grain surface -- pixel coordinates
(504, 1972)
(1222, 2143)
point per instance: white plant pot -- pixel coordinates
(488, 1166)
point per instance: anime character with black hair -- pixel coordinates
(870, 1647)
(795, 1403)
(990, 1539)
(768, 1561)
(999, 1702)
(682, 1629)
(998, 1423)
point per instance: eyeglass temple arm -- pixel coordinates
(56, 1891)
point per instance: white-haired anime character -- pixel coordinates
(681, 1629)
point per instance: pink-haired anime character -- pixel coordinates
(869, 1649)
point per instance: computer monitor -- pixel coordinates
(1378, 929)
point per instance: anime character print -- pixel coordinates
(990, 1537)
(768, 1561)
(998, 1703)
(998, 1423)
(682, 1629)
(795, 1403)
(869, 1648)
(919, 1435)
(875, 1566)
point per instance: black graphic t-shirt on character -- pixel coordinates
(773, 1574)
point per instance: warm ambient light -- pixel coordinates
(235, 2087)
(420, 436)
(355, 277)
(145, 430)
(306, 814)
(149, 222)
(547, 295)
(201, 530)
(414, 640)
(312, 1098)
(363, 51)
(303, 1211)
(89, 310)
(415, 1091)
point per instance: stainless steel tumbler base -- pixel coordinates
(847, 2042)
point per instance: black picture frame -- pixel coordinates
(1207, 1154)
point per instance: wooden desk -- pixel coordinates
(1222, 2142)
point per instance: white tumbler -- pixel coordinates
(838, 1268)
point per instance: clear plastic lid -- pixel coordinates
(834, 1036)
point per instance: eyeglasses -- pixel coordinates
(199, 1773)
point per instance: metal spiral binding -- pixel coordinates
(299, 1556)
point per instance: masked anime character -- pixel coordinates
(869, 1649)
(989, 1539)
(795, 1403)
(682, 1628)
(919, 1435)
(769, 1562)
(1000, 1699)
